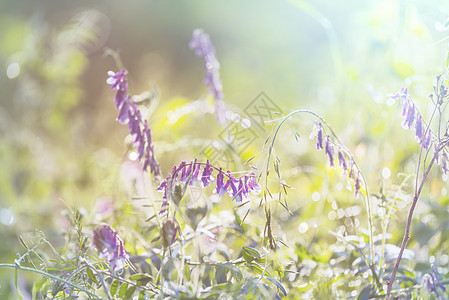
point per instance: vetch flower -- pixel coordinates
(318, 131)
(110, 246)
(202, 46)
(425, 143)
(206, 177)
(357, 186)
(419, 131)
(342, 161)
(219, 188)
(329, 149)
(195, 172)
(130, 114)
(409, 115)
(119, 83)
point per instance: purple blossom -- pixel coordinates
(206, 177)
(357, 186)
(219, 188)
(329, 149)
(419, 131)
(402, 94)
(409, 114)
(202, 46)
(252, 185)
(425, 143)
(238, 188)
(130, 114)
(119, 83)
(110, 246)
(342, 161)
(318, 128)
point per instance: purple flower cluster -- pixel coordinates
(345, 161)
(110, 246)
(430, 282)
(411, 115)
(422, 134)
(195, 172)
(130, 114)
(202, 46)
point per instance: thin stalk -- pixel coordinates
(18, 267)
(367, 194)
(409, 222)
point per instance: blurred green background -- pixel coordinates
(59, 142)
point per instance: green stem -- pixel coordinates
(18, 267)
(367, 194)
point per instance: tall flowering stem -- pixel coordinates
(198, 173)
(203, 47)
(423, 135)
(130, 114)
(346, 162)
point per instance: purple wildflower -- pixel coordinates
(357, 186)
(206, 176)
(195, 173)
(119, 83)
(130, 114)
(239, 195)
(219, 188)
(409, 114)
(342, 161)
(202, 46)
(402, 94)
(329, 149)
(109, 245)
(238, 188)
(319, 136)
(425, 143)
(252, 185)
(419, 131)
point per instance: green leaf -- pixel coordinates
(113, 288)
(187, 272)
(91, 275)
(122, 291)
(19, 295)
(258, 269)
(365, 293)
(250, 254)
(141, 279)
(141, 295)
(278, 284)
(129, 293)
(221, 274)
